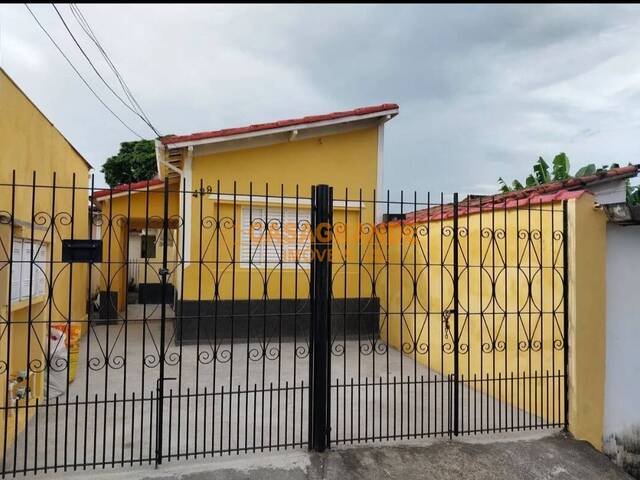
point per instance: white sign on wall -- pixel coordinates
(28, 274)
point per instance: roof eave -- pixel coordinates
(384, 115)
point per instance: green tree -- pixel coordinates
(134, 162)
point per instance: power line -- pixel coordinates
(99, 74)
(86, 27)
(81, 77)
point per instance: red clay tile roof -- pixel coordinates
(469, 206)
(137, 186)
(279, 124)
(536, 195)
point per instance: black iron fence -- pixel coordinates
(173, 322)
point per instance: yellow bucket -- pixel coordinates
(73, 344)
(74, 353)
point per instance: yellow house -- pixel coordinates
(36, 288)
(239, 212)
(530, 299)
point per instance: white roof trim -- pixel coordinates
(302, 203)
(388, 114)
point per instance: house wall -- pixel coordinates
(140, 210)
(584, 342)
(510, 308)
(343, 161)
(587, 319)
(30, 143)
(347, 160)
(622, 386)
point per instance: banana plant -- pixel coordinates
(586, 170)
(560, 170)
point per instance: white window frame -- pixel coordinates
(252, 241)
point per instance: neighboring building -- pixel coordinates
(34, 286)
(211, 175)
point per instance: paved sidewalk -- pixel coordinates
(487, 457)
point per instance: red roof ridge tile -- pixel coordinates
(549, 192)
(125, 187)
(257, 127)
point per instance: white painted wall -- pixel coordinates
(622, 384)
(134, 256)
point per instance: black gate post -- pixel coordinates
(321, 217)
(456, 334)
(163, 317)
(565, 307)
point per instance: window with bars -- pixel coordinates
(147, 246)
(278, 238)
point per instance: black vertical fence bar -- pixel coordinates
(126, 326)
(456, 331)
(428, 314)
(554, 312)
(505, 313)
(248, 356)
(468, 313)
(180, 304)
(492, 335)
(89, 326)
(233, 304)
(216, 353)
(110, 279)
(28, 361)
(163, 318)
(265, 294)
(201, 261)
(518, 317)
(7, 362)
(280, 278)
(320, 311)
(295, 317)
(68, 322)
(145, 326)
(565, 293)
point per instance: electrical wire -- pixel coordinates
(86, 27)
(80, 75)
(99, 74)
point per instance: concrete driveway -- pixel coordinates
(260, 401)
(487, 457)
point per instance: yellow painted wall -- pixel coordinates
(28, 143)
(510, 309)
(347, 160)
(587, 320)
(136, 212)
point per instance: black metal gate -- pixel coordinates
(171, 322)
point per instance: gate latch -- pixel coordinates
(445, 320)
(166, 379)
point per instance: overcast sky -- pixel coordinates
(483, 90)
